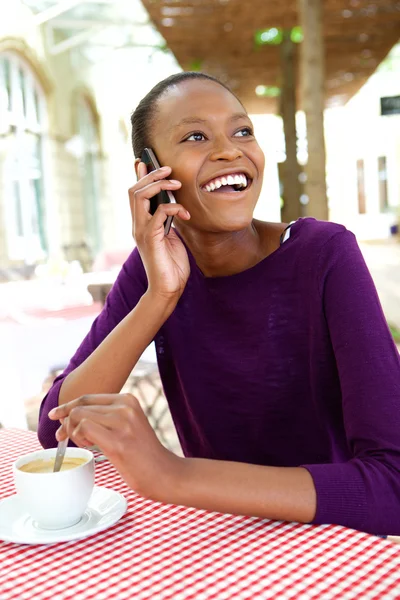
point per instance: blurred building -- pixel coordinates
(70, 74)
(363, 155)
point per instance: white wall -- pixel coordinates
(268, 131)
(357, 131)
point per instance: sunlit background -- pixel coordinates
(72, 71)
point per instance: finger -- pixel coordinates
(148, 176)
(115, 418)
(143, 172)
(140, 200)
(62, 411)
(120, 416)
(101, 414)
(61, 433)
(89, 433)
(145, 193)
(164, 211)
(72, 425)
(146, 179)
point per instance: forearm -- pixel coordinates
(108, 367)
(283, 493)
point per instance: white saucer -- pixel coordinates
(104, 509)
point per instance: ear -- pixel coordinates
(137, 161)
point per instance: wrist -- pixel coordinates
(171, 480)
(162, 303)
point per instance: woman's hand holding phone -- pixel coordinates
(164, 257)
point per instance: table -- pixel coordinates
(162, 552)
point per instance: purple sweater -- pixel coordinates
(288, 363)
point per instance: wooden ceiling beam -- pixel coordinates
(218, 36)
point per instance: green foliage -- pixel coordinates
(395, 331)
(196, 64)
(272, 36)
(270, 91)
(296, 35)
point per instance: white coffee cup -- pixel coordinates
(55, 500)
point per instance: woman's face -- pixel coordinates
(203, 133)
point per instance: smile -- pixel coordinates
(234, 182)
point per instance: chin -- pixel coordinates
(233, 222)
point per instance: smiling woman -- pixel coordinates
(208, 138)
(281, 374)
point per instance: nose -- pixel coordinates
(225, 149)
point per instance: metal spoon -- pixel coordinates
(62, 446)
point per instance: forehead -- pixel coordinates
(196, 98)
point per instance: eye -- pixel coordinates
(196, 136)
(244, 132)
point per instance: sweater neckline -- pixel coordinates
(195, 269)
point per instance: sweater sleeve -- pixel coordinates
(363, 493)
(126, 292)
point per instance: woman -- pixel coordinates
(281, 374)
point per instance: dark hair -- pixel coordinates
(144, 113)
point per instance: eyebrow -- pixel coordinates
(194, 120)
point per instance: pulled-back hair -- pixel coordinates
(143, 115)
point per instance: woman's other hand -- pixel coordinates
(117, 424)
(164, 257)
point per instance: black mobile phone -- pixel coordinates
(165, 196)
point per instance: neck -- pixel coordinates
(222, 254)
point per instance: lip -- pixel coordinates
(225, 173)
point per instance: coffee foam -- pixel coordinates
(47, 466)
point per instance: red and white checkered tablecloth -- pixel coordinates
(161, 552)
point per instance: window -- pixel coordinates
(88, 133)
(22, 126)
(362, 207)
(383, 184)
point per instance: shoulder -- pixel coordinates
(318, 232)
(323, 239)
(309, 233)
(332, 252)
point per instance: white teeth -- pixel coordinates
(240, 180)
(237, 179)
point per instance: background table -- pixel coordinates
(160, 552)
